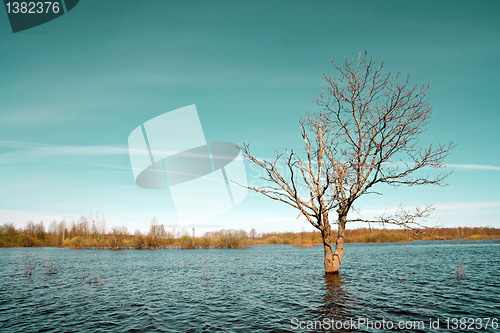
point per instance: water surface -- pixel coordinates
(258, 289)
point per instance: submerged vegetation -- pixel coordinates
(88, 232)
(460, 272)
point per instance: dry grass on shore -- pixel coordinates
(82, 235)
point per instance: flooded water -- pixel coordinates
(267, 288)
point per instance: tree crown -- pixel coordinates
(367, 133)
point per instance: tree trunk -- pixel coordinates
(333, 258)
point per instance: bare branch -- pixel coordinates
(407, 219)
(366, 135)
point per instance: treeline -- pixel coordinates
(366, 235)
(88, 232)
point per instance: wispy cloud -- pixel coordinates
(99, 150)
(52, 149)
(24, 152)
(474, 167)
(468, 205)
(20, 218)
(444, 206)
(26, 114)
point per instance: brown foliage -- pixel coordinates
(12, 237)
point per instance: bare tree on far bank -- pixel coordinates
(365, 136)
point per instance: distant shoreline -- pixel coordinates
(158, 238)
(172, 247)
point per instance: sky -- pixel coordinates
(73, 89)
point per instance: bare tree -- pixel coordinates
(366, 135)
(119, 234)
(53, 233)
(61, 229)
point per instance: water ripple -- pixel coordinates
(260, 289)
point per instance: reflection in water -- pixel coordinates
(336, 301)
(335, 296)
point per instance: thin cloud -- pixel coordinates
(439, 207)
(201, 226)
(24, 152)
(468, 205)
(20, 218)
(474, 167)
(51, 149)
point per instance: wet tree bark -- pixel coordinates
(334, 258)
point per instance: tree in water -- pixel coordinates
(365, 136)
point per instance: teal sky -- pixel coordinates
(72, 90)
